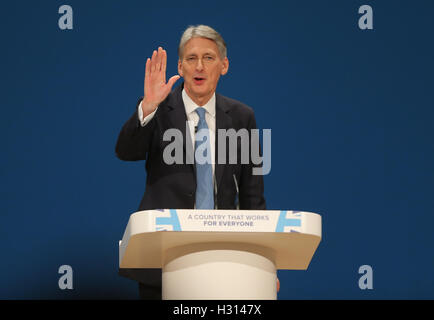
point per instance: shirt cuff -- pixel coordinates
(144, 122)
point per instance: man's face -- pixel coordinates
(201, 67)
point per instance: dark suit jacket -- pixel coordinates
(173, 186)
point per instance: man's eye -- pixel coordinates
(209, 58)
(191, 58)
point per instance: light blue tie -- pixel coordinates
(204, 189)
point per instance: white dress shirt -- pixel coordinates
(192, 117)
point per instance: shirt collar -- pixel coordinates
(191, 106)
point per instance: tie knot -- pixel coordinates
(201, 112)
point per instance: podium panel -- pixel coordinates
(219, 274)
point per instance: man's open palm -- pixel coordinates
(156, 88)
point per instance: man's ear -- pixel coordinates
(225, 66)
(180, 68)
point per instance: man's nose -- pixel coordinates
(199, 65)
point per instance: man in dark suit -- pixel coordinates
(189, 184)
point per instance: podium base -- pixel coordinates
(219, 275)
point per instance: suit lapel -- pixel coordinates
(176, 117)
(223, 121)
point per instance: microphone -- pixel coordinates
(238, 192)
(215, 195)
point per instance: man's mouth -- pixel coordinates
(199, 80)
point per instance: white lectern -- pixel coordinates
(220, 254)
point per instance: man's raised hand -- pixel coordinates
(156, 88)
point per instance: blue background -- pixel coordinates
(351, 113)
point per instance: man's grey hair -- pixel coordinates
(202, 31)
